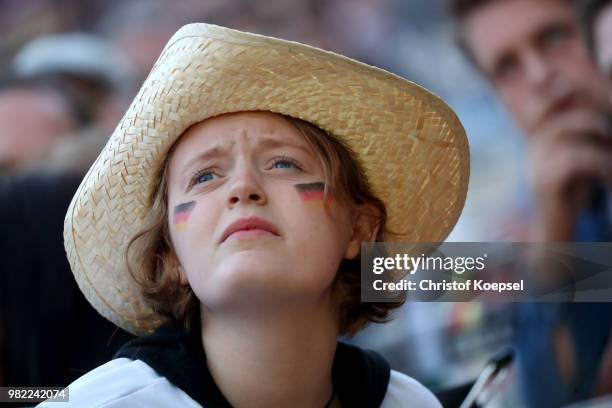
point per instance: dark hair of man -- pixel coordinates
(459, 10)
(588, 11)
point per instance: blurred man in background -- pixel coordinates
(542, 72)
(532, 55)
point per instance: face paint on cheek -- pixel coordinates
(313, 195)
(182, 213)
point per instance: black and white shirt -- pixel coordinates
(168, 369)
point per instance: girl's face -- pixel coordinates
(247, 217)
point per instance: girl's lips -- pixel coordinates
(248, 234)
(248, 228)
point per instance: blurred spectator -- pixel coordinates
(89, 68)
(56, 110)
(89, 80)
(32, 118)
(142, 27)
(373, 17)
(545, 77)
(532, 55)
(50, 334)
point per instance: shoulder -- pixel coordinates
(124, 383)
(404, 391)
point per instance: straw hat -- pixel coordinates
(410, 143)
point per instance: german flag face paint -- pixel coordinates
(182, 213)
(312, 194)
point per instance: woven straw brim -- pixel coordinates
(410, 143)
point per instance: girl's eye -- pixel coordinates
(283, 165)
(286, 163)
(203, 176)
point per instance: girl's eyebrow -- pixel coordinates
(218, 150)
(270, 142)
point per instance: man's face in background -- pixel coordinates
(533, 55)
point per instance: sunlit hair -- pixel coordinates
(153, 264)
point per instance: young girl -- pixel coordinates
(223, 223)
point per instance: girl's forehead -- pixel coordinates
(228, 128)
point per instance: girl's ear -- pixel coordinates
(365, 229)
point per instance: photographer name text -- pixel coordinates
(430, 285)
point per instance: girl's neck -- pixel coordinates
(277, 359)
